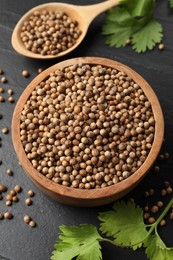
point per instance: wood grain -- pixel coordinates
(93, 197)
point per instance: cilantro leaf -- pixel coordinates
(118, 27)
(81, 242)
(171, 3)
(148, 36)
(139, 8)
(156, 249)
(125, 223)
(133, 20)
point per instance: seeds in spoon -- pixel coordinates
(49, 32)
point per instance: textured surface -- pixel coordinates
(18, 241)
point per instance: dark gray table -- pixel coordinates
(18, 241)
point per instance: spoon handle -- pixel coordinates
(89, 12)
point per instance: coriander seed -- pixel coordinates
(18, 188)
(3, 188)
(27, 219)
(30, 193)
(28, 202)
(5, 130)
(8, 215)
(9, 172)
(4, 80)
(32, 223)
(1, 216)
(25, 73)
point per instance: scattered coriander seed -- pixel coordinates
(151, 220)
(18, 188)
(8, 215)
(161, 157)
(160, 204)
(11, 99)
(154, 209)
(25, 73)
(1, 216)
(166, 155)
(128, 42)
(9, 197)
(169, 190)
(15, 199)
(2, 99)
(9, 172)
(4, 80)
(40, 70)
(151, 192)
(163, 192)
(161, 46)
(12, 192)
(146, 215)
(171, 215)
(166, 184)
(28, 202)
(32, 223)
(1, 72)
(5, 130)
(3, 188)
(27, 219)
(156, 169)
(1, 197)
(162, 222)
(30, 193)
(8, 203)
(10, 91)
(1, 89)
(146, 208)
(147, 194)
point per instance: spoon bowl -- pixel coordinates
(84, 15)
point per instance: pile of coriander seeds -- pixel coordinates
(49, 32)
(87, 126)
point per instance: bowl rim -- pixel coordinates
(99, 193)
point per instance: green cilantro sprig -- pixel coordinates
(126, 230)
(133, 20)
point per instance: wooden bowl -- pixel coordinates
(92, 197)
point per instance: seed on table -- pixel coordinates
(155, 209)
(9, 172)
(5, 130)
(10, 91)
(146, 215)
(18, 188)
(2, 99)
(40, 70)
(161, 157)
(25, 73)
(161, 46)
(1, 216)
(151, 192)
(15, 199)
(166, 155)
(146, 208)
(1, 89)
(8, 215)
(151, 220)
(12, 192)
(11, 99)
(32, 223)
(1, 72)
(171, 215)
(9, 197)
(156, 169)
(31, 193)
(162, 222)
(1, 197)
(26, 219)
(166, 184)
(28, 202)
(8, 203)
(3, 188)
(160, 204)
(4, 80)
(169, 190)
(163, 192)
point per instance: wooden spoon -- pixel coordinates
(84, 15)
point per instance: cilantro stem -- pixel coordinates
(109, 241)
